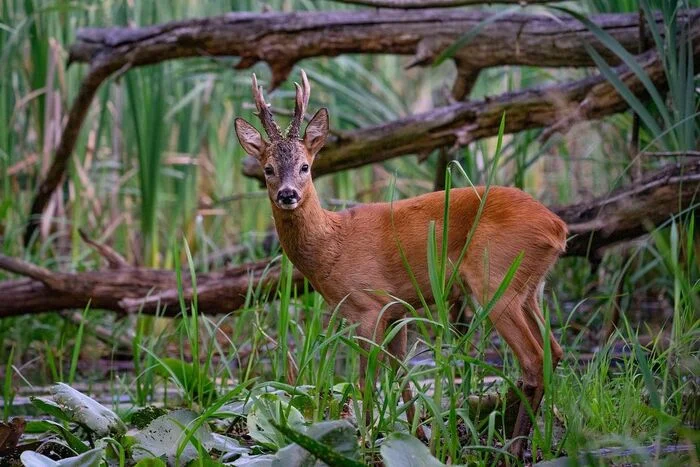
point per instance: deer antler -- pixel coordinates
(264, 113)
(303, 93)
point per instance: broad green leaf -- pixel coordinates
(43, 426)
(267, 409)
(92, 458)
(163, 436)
(50, 407)
(236, 408)
(333, 442)
(228, 447)
(151, 462)
(403, 450)
(86, 411)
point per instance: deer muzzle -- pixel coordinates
(287, 198)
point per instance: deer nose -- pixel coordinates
(287, 196)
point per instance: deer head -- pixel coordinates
(286, 160)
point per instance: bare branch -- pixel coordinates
(24, 268)
(115, 260)
(628, 212)
(283, 39)
(131, 290)
(671, 154)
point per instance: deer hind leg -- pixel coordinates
(461, 314)
(536, 322)
(510, 320)
(533, 392)
(509, 317)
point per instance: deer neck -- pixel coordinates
(309, 235)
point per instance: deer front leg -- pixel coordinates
(369, 331)
(398, 348)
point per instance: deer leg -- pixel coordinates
(398, 347)
(369, 331)
(536, 322)
(510, 319)
(367, 413)
(460, 314)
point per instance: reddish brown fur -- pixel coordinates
(348, 256)
(511, 222)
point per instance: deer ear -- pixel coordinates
(250, 138)
(316, 132)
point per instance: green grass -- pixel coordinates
(165, 161)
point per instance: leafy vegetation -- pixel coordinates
(157, 175)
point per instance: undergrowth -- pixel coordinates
(157, 174)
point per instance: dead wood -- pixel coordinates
(631, 211)
(281, 40)
(556, 108)
(625, 214)
(128, 289)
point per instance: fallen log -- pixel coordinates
(555, 108)
(130, 289)
(625, 214)
(281, 40)
(630, 211)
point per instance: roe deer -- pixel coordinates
(346, 255)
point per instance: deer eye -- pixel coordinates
(269, 171)
(305, 168)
